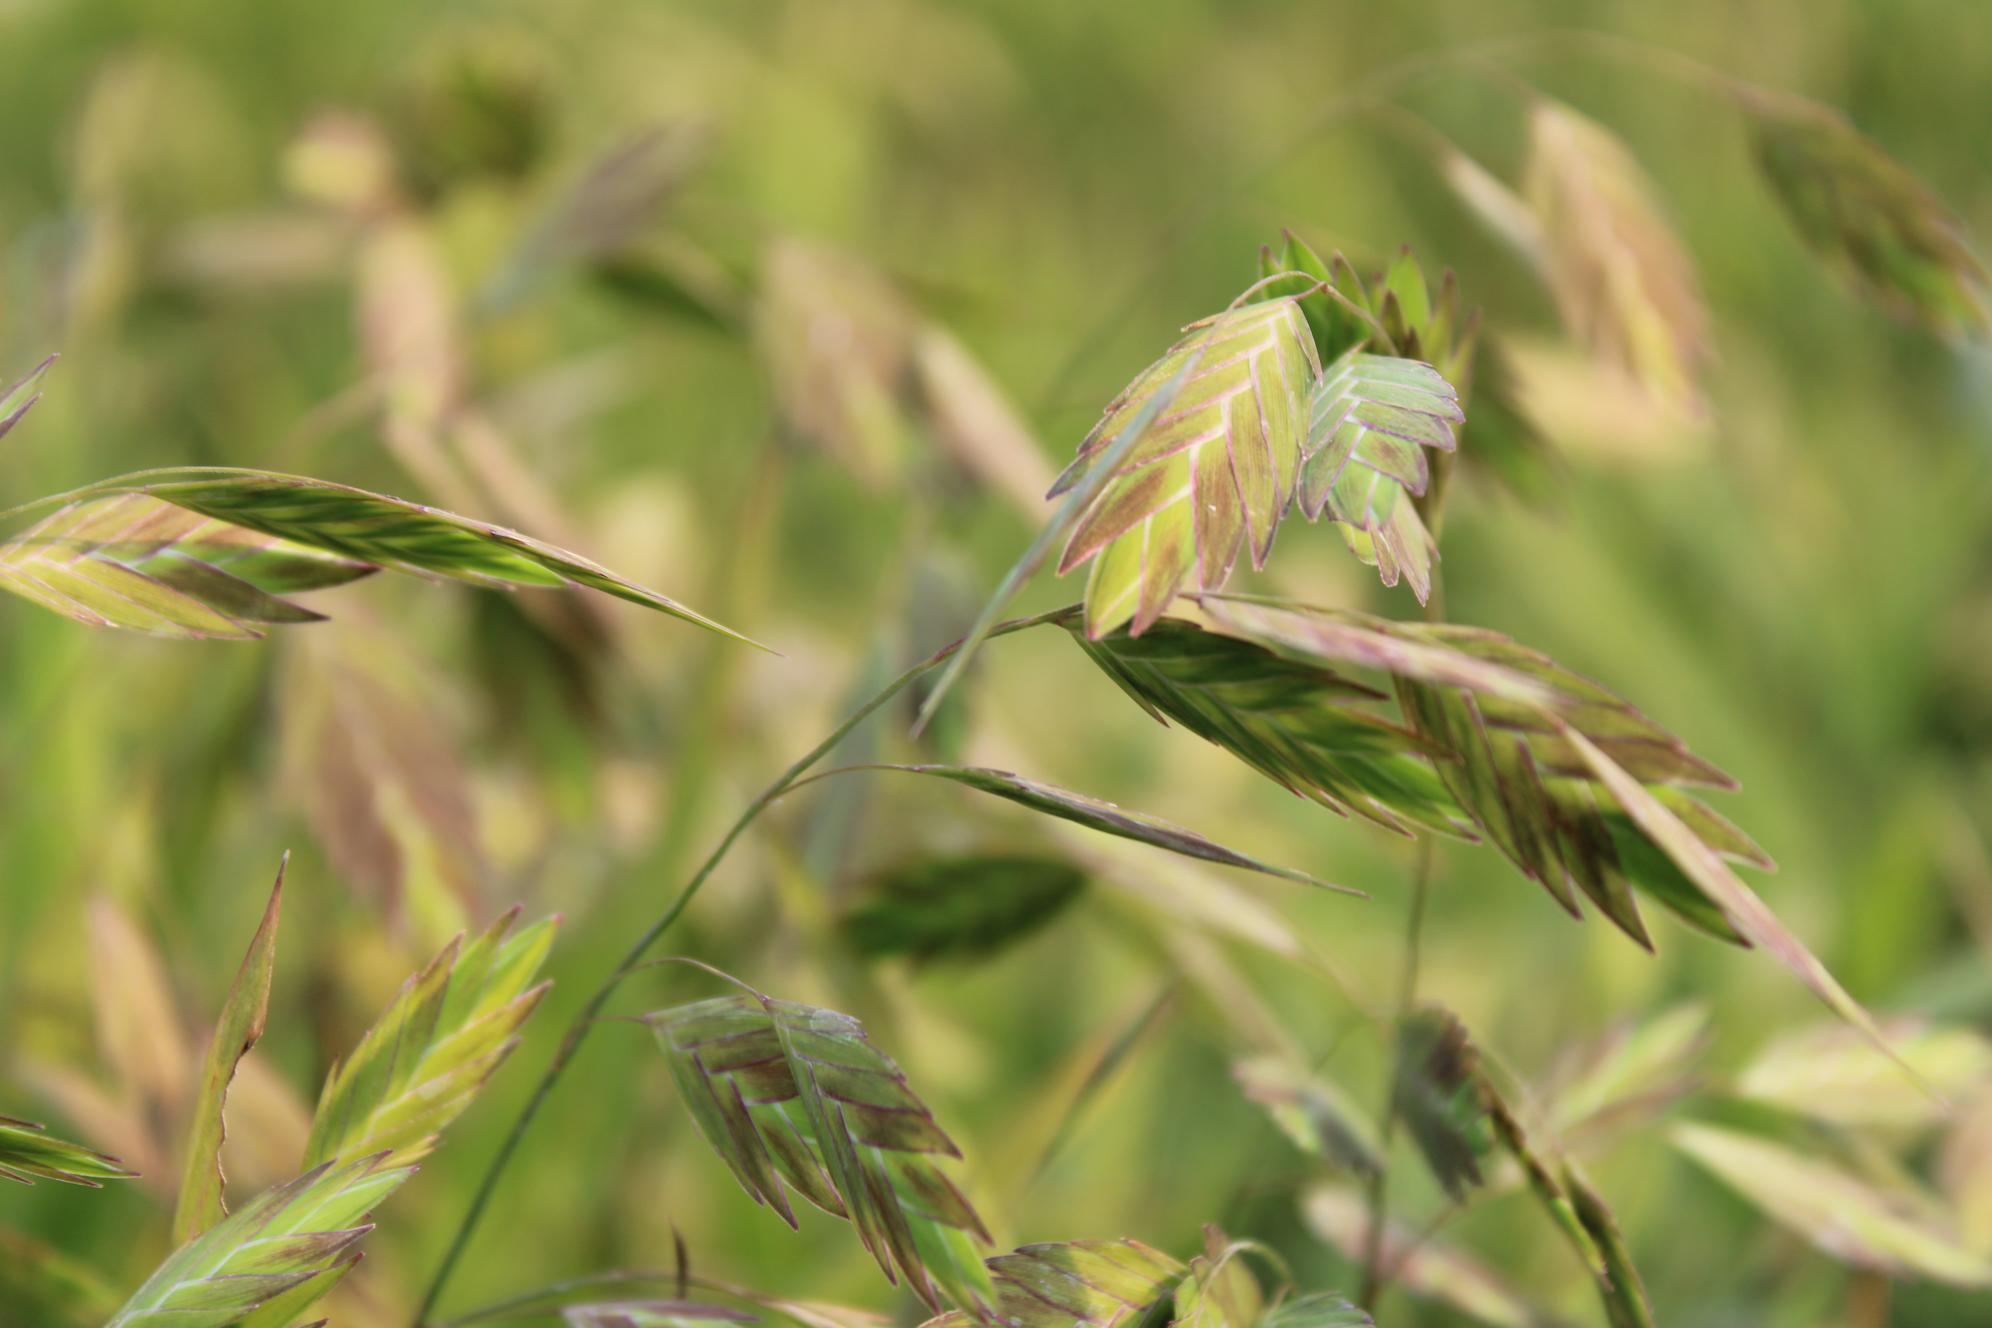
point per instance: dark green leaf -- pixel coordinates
(966, 906)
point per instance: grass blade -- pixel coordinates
(1106, 818)
(243, 1015)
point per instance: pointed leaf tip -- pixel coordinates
(244, 1014)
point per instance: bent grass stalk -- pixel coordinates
(585, 1020)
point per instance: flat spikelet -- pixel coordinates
(28, 1152)
(1077, 1284)
(440, 1040)
(1212, 475)
(115, 557)
(1371, 420)
(1382, 418)
(142, 564)
(1495, 723)
(793, 1097)
(275, 1255)
(1578, 788)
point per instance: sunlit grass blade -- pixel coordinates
(1632, 1075)
(977, 423)
(243, 1014)
(797, 1098)
(1829, 1074)
(303, 1232)
(1840, 1212)
(431, 1052)
(1739, 905)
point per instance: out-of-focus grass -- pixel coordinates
(1802, 591)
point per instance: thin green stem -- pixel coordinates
(1375, 1276)
(586, 1019)
(1377, 1200)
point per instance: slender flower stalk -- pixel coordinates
(585, 1020)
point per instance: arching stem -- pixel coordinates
(584, 1021)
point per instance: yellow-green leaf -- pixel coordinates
(1901, 1234)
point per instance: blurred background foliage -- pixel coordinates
(792, 309)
